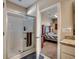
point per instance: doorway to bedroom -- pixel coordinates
(49, 35)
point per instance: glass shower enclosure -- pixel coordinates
(20, 33)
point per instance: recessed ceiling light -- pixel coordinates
(55, 16)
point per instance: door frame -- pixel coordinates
(59, 24)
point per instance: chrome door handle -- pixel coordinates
(37, 37)
(25, 38)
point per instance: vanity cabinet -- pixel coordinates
(67, 49)
(66, 56)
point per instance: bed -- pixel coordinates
(51, 36)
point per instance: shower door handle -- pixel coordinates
(26, 41)
(3, 33)
(25, 38)
(37, 37)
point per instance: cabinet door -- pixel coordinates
(67, 52)
(66, 56)
(15, 34)
(68, 49)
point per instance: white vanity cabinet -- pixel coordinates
(67, 49)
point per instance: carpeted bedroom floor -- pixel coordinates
(50, 50)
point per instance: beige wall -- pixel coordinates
(66, 18)
(11, 6)
(45, 20)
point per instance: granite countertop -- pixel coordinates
(70, 42)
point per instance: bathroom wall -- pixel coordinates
(32, 10)
(14, 7)
(66, 18)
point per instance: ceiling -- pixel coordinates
(42, 4)
(51, 12)
(23, 3)
(27, 3)
(46, 3)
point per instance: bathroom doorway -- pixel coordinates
(49, 35)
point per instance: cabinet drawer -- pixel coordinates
(66, 56)
(68, 49)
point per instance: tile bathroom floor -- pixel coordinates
(32, 56)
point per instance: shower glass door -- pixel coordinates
(28, 32)
(20, 33)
